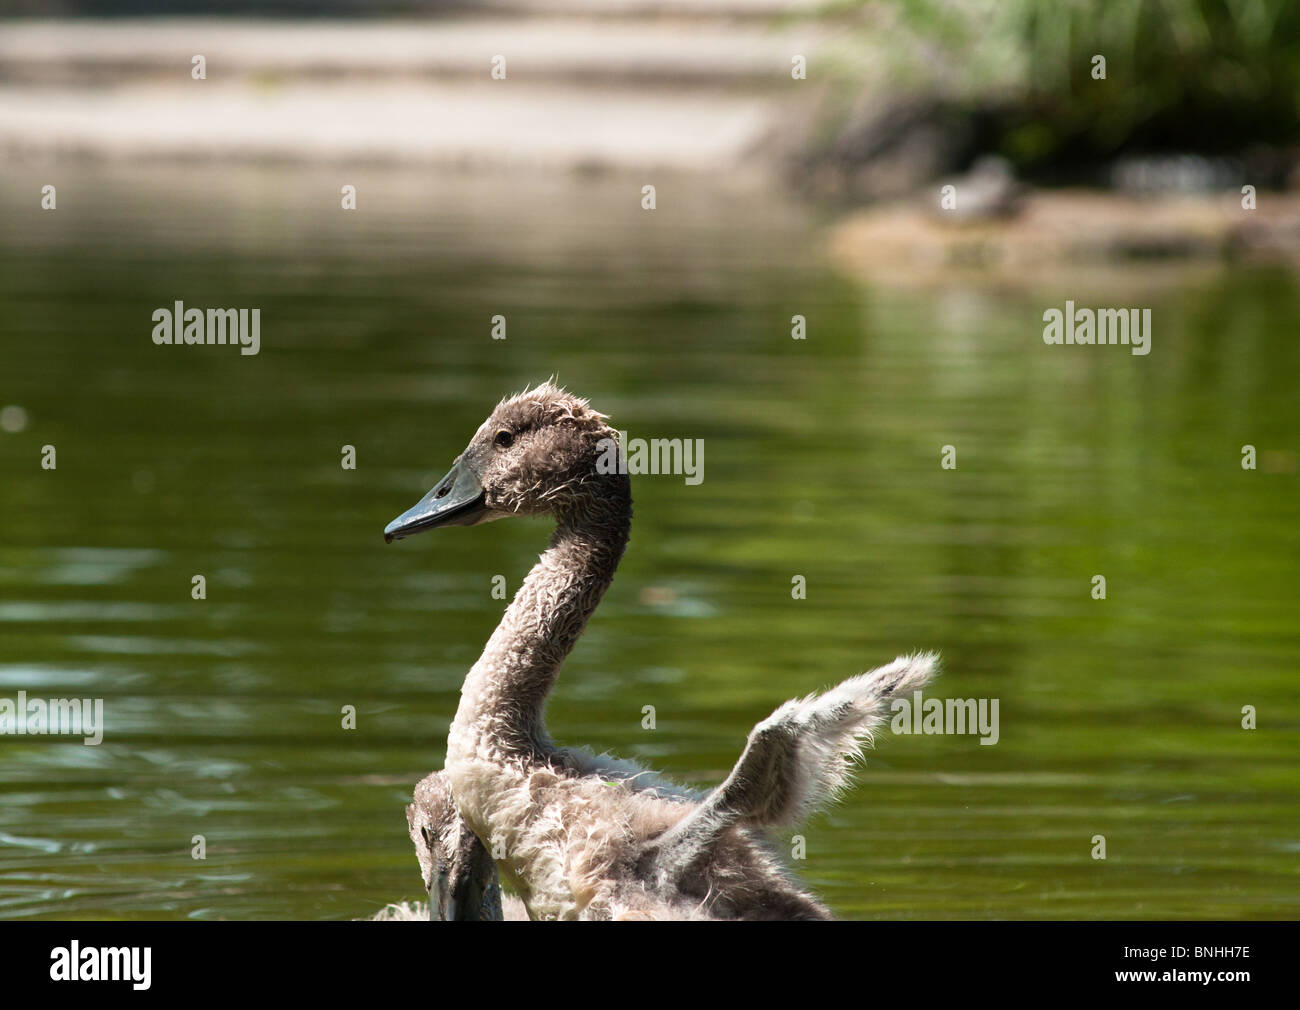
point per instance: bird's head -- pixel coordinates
(458, 871)
(542, 452)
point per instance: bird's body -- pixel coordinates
(583, 836)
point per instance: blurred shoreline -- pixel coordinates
(702, 94)
(682, 94)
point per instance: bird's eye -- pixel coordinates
(505, 439)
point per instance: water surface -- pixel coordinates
(1118, 717)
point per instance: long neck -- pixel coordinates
(503, 696)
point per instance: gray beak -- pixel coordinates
(467, 890)
(456, 500)
(441, 906)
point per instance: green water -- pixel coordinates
(1118, 717)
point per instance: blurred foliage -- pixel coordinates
(1193, 75)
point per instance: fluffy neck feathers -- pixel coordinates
(504, 694)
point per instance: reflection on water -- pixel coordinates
(1118, 717)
